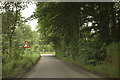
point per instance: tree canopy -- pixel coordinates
(79, 30)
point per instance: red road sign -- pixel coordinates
(26, 45)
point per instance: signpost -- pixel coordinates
(26, 45)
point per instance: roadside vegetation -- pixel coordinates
(82, 33)
(108, 68)
(86, 34)
(15, 68)
(17, 60)
(46, 48)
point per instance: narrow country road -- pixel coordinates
(51, 67)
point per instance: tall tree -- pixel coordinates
(11, 19)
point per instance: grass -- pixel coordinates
(17, 67)
(102, 69)
(109, 68)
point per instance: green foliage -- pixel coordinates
(79, 31)
(93, 52)
(16, 59)
(112, 54)
(15, 67)
(21, 59)
(11, 19)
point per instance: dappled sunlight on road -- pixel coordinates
(47, 54)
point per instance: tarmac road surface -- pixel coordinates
(51, 67)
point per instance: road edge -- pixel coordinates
(88, 70)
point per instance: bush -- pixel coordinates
(112, 54)
(109, 65)
(15, 67)
(92, 52)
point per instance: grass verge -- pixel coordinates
(109, 68)
(103, 70)
(15, 68)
